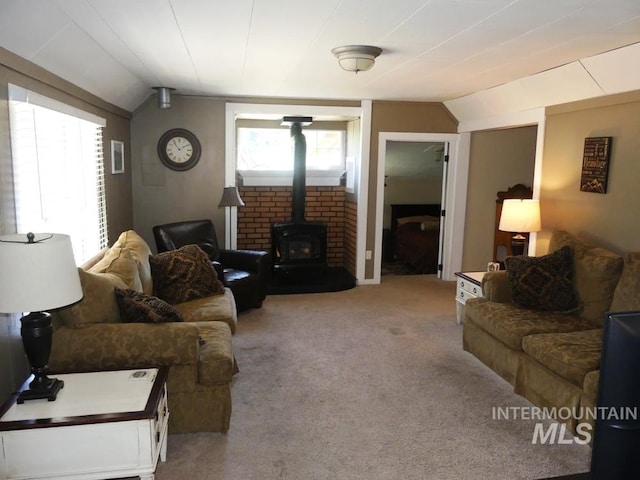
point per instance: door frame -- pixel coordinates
(456, 196)
(535, 116)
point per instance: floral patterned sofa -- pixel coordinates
(119, 324)
(552, 357)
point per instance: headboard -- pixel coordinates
(412, 209)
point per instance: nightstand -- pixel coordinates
(469, 285)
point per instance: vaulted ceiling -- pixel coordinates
(433, 50)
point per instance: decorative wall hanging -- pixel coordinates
(117, 156)
(595, 164)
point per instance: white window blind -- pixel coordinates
(58, 171)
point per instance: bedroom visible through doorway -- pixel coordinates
(413, 191)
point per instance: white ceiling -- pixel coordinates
(433, 50)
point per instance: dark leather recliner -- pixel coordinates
(245, 272)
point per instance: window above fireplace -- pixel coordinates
(279, 178)
(269, 116)
(264, 156)
(269, 149)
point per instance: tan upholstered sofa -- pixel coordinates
(553, 359)
(91, 335)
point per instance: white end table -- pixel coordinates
(469, 285)
(102, 425)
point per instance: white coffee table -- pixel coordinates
(102, 425)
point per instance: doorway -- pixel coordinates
(448, 144)
(413, 196)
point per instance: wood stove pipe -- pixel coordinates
(298, 190)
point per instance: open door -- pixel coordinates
(448, 252)
(443, 203)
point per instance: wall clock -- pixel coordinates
(179, 149)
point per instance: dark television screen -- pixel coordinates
(616, 443)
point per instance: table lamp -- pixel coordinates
(519, 216)
(38, 273)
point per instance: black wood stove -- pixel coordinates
(299, 247)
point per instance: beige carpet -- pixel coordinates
(369, 383)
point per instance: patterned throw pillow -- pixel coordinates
(184, 274)
(544, 283)
(136, 307)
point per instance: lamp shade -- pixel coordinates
(520, 215)
(231, 198)
(37, 276)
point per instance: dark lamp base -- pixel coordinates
(518, 242)
(49, 391)
(36, 334)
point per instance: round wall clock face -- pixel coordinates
(179, 149)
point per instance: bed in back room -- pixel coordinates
(415, 230)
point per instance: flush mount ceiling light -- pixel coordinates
(356, 58)
(164, 96)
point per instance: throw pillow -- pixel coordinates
(127, 269)
(136, 307)
(184, 274)
(597, 271)
(139, 251)
(544, 283)
(98, 304)
(562, 238)
(120, 263)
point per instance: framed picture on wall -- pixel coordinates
(595, 164)
(117, 156)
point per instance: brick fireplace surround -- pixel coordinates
(267, 205)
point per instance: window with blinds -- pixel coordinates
(58, 170)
